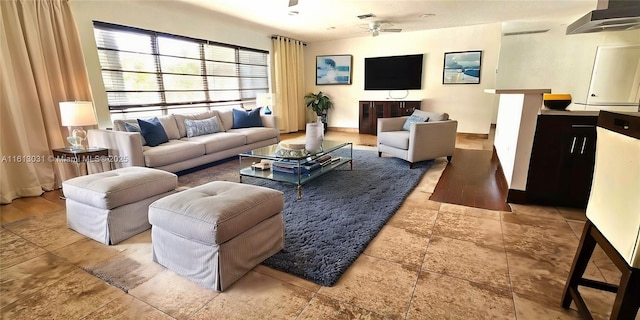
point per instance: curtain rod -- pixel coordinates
(289, 39)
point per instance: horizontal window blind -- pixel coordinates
(146, 71)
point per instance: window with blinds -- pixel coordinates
(151, 72)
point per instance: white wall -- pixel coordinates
(466, 103)
(549, 60)
(506, 139)
(165, 16)
(554, 60)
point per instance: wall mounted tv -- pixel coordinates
(393, 73)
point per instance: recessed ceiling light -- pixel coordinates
(293, 13)
(427, 15)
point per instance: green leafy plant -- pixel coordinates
(318, 102)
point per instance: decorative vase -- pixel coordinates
(313, 137)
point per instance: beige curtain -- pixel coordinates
(288, 83)
(42, 65)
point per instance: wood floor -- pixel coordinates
(473, 179)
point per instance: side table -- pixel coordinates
(78, 156)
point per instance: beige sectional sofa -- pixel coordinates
(182, 152)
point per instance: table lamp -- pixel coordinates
(265, 100)
(75, 115)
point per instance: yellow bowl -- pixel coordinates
(556, 101)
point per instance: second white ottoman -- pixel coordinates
(112, 206)
(215, 233)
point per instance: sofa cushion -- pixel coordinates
(135, 127)
(118, 125)
(256, 134)
(194, 116)
(218, 141)
(171, 152)
(201, 127)
(170, 126)
(153, 131)
(246, 119)
(396, 139)
(226, 117)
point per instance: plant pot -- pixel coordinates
(323, 118)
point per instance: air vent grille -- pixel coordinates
(506, 34)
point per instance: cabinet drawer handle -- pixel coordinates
(573, 145)
(584, 141)
(582, 126)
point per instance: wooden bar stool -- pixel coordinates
(613, 216)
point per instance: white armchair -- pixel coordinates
(423, 141)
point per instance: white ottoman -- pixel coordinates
(112, 206)
(215, 233)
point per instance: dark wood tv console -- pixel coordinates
(370, 111)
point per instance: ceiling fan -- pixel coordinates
(293, 3)
(375, 27)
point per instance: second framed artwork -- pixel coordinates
(334, 69)
(462, 67)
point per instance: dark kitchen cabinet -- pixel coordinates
(370, 111)
(562, 160)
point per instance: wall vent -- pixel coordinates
(506, 34)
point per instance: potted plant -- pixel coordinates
(319, 103)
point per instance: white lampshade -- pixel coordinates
(77, 113)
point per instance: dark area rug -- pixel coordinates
(338, 215)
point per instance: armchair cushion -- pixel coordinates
(431, 116)
(396, 139)
(424, 116)
(413, 118)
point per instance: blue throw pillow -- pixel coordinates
(246, 119)
(134, 127)
(153, 131)
(413, 118)
(200, 127)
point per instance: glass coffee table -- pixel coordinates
(297, 169)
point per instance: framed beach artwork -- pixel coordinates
(462, 67)
(333, 69)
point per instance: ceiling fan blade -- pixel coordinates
(293, 3)
(391, 30)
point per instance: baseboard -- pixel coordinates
(517, 196)
(339, 129)
(473, 135)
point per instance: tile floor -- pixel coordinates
(431, 261)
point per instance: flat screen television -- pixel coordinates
(393, 73)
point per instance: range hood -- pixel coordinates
(610, 15)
